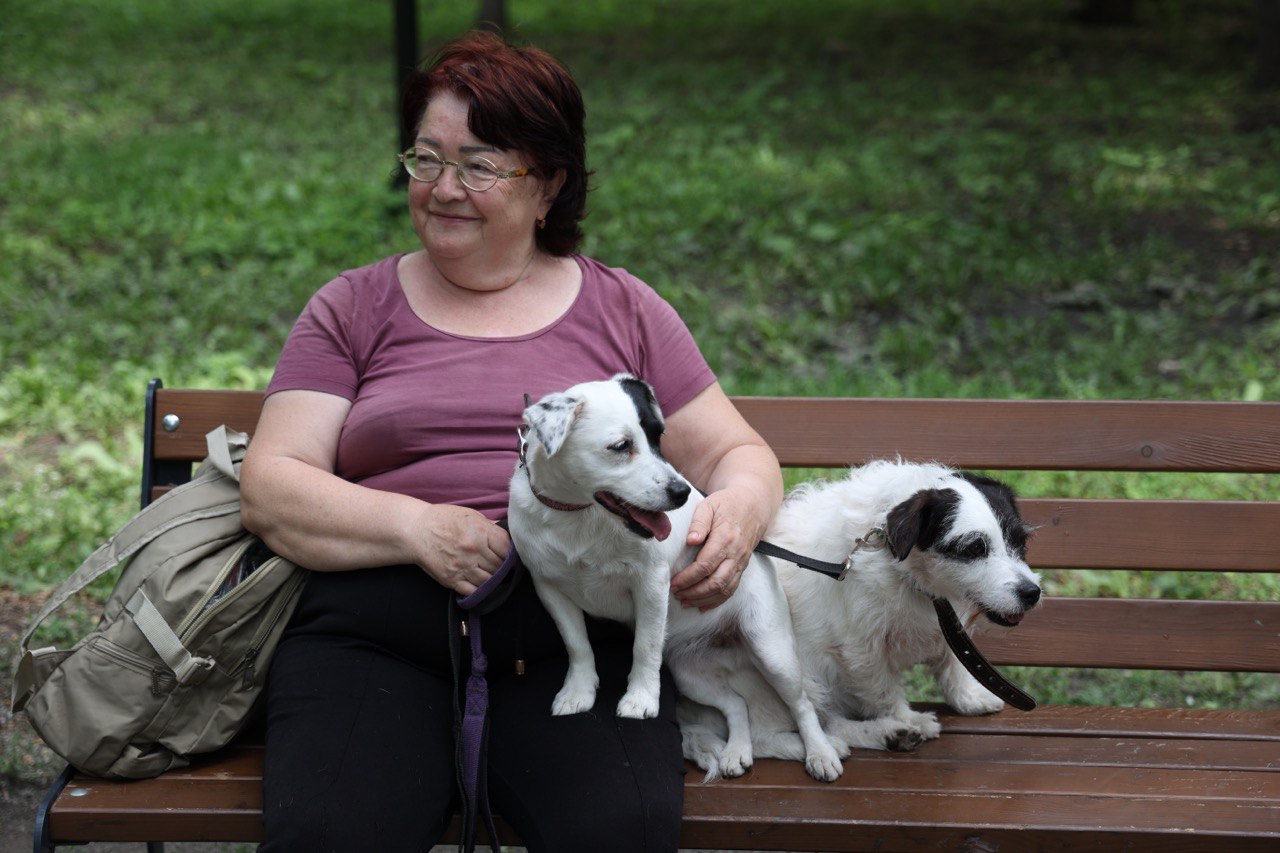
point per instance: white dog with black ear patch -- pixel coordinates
(600, 520)
(932, 532)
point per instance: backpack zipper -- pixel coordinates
(204, 614)
(186, 627)
(248, 664)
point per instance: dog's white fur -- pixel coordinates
(590, 441)
(858, 636)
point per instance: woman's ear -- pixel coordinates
(551, 189)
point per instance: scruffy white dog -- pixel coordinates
(600, 520)
(929, 532)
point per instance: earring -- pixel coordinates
(542, 222)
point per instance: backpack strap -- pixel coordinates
(226, 448)
(187, 668)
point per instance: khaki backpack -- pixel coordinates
(178, 658)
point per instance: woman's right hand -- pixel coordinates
(459, 547)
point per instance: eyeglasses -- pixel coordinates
(476, 173)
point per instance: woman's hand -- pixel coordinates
(708, 441)
(460, 548)
(727, 526)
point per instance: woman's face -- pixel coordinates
(453, 222)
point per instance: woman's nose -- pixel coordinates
(449, 185)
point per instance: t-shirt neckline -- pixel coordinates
(536, 333)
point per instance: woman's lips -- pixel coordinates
(451, 217)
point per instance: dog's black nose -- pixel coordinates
(1028, 594)
(678, 492)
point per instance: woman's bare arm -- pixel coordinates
(305, 512)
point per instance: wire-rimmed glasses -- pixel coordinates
(475, 172)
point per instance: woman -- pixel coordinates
(382, 458)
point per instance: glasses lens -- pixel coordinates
(423, 165)
(478, 173)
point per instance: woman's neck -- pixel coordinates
(464, 277)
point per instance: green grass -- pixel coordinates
(883, 198)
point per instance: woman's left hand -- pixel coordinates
(708, 441)
(727, 527)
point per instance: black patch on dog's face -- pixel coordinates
(1004, 503)
(921, 520)
(646, 404)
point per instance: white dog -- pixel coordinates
(929, 532)
(600, 520)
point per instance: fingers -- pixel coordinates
(725, 527)
(717, 569)
(463, 549)
(715, 587)
(700, 524)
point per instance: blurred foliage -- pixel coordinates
(883, 198)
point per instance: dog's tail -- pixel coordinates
(702, 746)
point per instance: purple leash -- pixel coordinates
(474, 728)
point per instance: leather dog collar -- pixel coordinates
(522, 432)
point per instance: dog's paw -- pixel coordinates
(925, 723)
(975, 703)
(823, 762)
(735, 760)
(638, 706)
(824, 768)
(903, 739)
(573, 698)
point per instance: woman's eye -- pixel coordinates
(480, 168)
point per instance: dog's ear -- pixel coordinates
(646, 404)
(551, 418)
(918, 522)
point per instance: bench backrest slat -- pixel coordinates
(1098, 435)
(1224, 636)
(1081, 435)
(1237, 536)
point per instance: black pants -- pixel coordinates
(360, 745)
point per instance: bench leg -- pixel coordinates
(43, 843)
(155, 847)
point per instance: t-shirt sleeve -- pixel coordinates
(671, 360)
(319, 354)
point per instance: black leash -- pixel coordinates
(952, 631)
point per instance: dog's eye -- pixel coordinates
(975, 550)
(623, 446)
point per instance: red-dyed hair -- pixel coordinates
(521, 99)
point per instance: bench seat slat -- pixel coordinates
(1212, 724)
(927, 775)
(1126, 633)
(822, 817)
(1057, 750)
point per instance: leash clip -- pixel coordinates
(874, 539)
(523, 432)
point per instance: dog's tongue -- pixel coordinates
(656, 523)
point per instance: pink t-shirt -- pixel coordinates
(434, 414)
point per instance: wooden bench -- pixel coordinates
(1061, 778)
